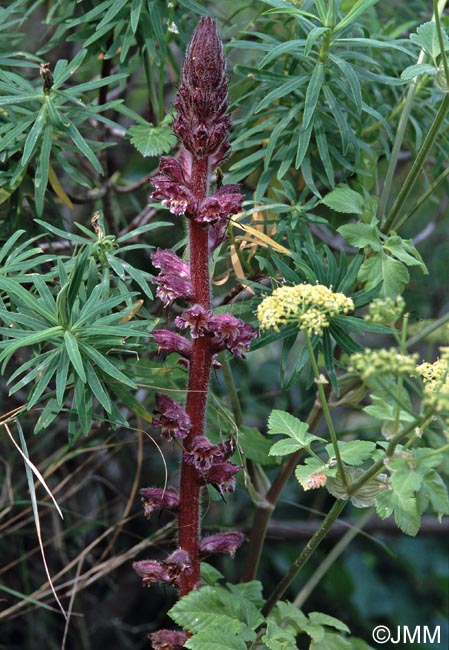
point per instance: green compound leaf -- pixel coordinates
(212, 608)
(383, 268)
(287, 424)
(354, 452)
(151, 140)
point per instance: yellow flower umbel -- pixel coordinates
(311, 306)
(435, 377)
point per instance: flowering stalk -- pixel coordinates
(202, 126)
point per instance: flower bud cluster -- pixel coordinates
(372, 363)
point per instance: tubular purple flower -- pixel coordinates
(231, 333)
(222, 476)
(168, 570)
(168, 640)
(159, 499)
(172, 342)
(151, 571)
(175, 196)
(168, 262)
(197, 318)
(173, 421)
(222, 543)
(204, 455)
(174, 279)
(178, 563)
(225, 201)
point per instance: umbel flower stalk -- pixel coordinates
(202, 126)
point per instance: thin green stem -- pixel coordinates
(439, 322)
(231, 390)
(403, 121)
(380, 464)
(330, 558)
(416, 168)
(441, 40)
(304, 556)
(268, 501)
(436, 183)
(326, 411)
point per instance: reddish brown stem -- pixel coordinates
(198, 385)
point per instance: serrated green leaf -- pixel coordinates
(405, 251)
(403, 505)
(215, 638)
(381, 267)
(331, 642)
(344, 199)
(361, 235)
(151, 140)
(285, 447)
(318, 618)
(210, 607)
(426, 37)
(353, 452)
(434, 490)
(312, 466)
(287, 424)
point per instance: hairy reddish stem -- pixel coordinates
(198, 385)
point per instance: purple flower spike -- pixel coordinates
(174, 279)
(222, 475)
(159, 499)
(231, 333)
(172, 342)
(197, 318)
(168, 640)
(173, 421)
(201, 123)
(222, 543)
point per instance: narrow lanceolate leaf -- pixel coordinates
(33, 136)
(71, 345)
(313, 94)
(105, 365)
(42, 169)
(82, 145)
